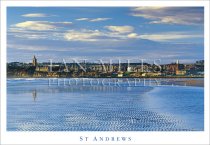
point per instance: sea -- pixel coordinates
(105, 104)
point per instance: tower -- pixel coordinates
(34, 62)
(177, 64)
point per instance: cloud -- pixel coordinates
(32, 36)
(40, 25)
(36, 25)
(82, 19)
(171, 15)
(120, 29)
(148, 7)
(132, 35)
(94, 35)
(63, 23)
(27, 47)
(99, 19)
(93, 19)
(169, 36)
(34, 15)
(35, 30)
(84, 35)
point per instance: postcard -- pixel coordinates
(130, 72)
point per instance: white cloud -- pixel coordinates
(93, 19)
(34, 15)
(82, 19)
(132, 35)
(24, 33)
(94, 35)
(41, 25)
(64, 23)
(84, 35)
(113, 33)
(170, 15)
(36, 25)
(99, 19)
(169, 36)
(31, 36)
(120, 29)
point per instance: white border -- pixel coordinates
(192, 138)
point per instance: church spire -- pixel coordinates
(34, 61)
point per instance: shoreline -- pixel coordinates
(196, 82)
(172, 77)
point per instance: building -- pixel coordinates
(34, 61)
(175, 68)
(180, 72)
(120, 74)
(151, 74)
(171, 68)
(42, 68)
(129, 69)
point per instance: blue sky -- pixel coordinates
(166, 33)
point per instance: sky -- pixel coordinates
(93, 33)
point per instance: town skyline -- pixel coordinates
(112, 61)
(166, 33)
(120, 69)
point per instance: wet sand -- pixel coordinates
(184, 82)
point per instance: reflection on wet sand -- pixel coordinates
(34, 95)
(102, 108)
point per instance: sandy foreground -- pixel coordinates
(184, 82)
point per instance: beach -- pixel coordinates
(33, 105)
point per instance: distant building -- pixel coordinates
(171, 68)
(175, 68)
(200, 62)
(34, 61)
(129, 69)
(177, 62)
(42, 68)
(151, 74)
(180, 72)
(120, 74)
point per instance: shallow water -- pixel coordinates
(34, 105)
